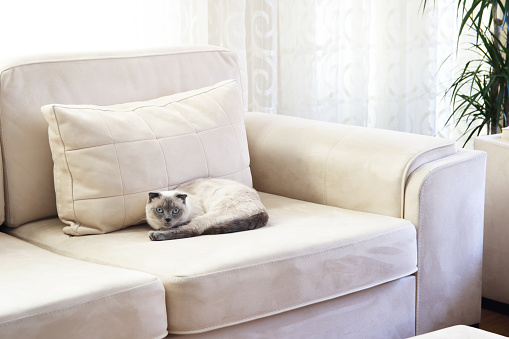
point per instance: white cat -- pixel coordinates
(204, 206)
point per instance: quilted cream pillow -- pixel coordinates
(107, 158)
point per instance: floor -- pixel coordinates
(494, 322)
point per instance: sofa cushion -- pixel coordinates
(99, 78)
(306, 254)
(45, 295)
(107, 158)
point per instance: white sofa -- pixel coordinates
(372, 233)
(496, 229)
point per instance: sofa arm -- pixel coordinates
(357, 168)
(445, 200)
(2, 201)
(495, 268)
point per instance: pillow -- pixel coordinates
(107, 158)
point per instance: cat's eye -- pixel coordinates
(175, 211)
(159, 210)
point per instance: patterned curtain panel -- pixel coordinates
(376, 63)
(372, 63)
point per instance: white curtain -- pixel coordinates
(375, 63)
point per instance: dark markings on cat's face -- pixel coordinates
(167, 211)
(182, 197)
(153, 195)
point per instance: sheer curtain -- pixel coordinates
(372, 63)
(376, 63)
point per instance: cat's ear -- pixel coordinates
(182, 196)
(153, 195)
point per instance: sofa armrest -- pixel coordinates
(2, 201)
(445, 200)
(357, 168)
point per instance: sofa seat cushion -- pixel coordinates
(45, 295)
(306, 254)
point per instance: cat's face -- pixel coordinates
(166, 209)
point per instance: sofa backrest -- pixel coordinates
(99, 79)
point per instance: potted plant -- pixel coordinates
(480, 93)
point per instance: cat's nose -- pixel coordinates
(167, 219)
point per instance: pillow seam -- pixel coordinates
(231, 124)
(162, 152)
(78, 225)
(119, 168)
(102, 108)
(197, 135)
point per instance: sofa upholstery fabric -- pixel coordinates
(45, 295)
(495, 282)
(386, 310)
(450, 251)
(460, 332)
(354, 213)
(96, 79)
(306, 254)
(108, 158)
(2, 201)
(363, 169)
(442, 196)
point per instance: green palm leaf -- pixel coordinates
(480, 92)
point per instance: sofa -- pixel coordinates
(496, 231)
(371, 234)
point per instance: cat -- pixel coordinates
(204, 206)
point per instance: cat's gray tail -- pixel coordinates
(241, 224)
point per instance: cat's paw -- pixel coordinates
(171, 234)
(156, 235)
